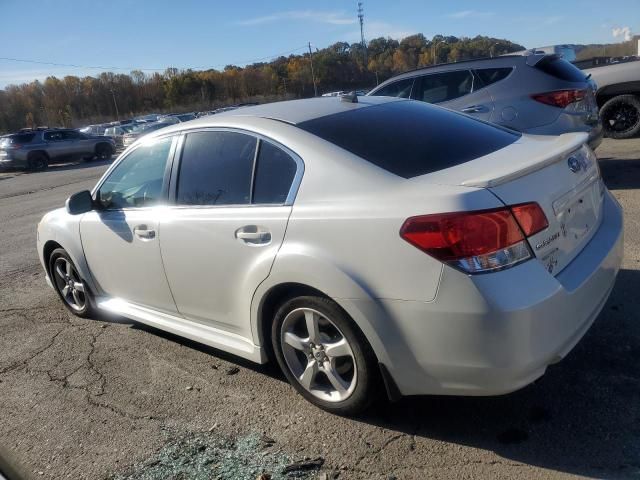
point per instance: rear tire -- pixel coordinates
(38, 162)
(71, 288)
(103, 152)
(621, 117)
(334, 367)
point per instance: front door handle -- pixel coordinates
(144, 232)
(253, 235)
(474, 109)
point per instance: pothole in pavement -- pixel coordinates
(205, 456)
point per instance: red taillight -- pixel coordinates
(560, 98)
(476, 241)
(530, 217)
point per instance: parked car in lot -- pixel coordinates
(35, 150)
(536, 94)
(94, 129)
(118, 133)
(618, 97)
(354, 242)
(177, 117)
(140, 131)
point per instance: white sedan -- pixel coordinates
(359, 242)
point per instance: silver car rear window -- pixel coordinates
(410, 138)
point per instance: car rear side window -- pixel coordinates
(410, 138)
(401, 89)
(493, 75)
(275, 171)
(560, 68)
(216, 169)
(442, 87)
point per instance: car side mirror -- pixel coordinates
(80, 202)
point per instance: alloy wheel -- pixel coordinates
(623, 118)
(318, 354)
(68, 283)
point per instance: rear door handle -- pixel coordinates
(144, 232)
(474, 109)
(253, 235)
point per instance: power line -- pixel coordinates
(104, 67)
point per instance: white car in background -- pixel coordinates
(358, 241)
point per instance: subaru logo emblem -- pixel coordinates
(574, 164)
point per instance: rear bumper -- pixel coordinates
(495, 333)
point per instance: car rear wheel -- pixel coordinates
(621, 116)
(103, 152)
(71, 288)
(38, 162)
(324, 355)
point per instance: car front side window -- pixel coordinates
(400, 89)
(138, 179)
(442, 87)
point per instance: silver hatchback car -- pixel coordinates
(534, 94)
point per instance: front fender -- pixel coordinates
(64, 229)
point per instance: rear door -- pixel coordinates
(57, 146)
(456, 90)
(233, 194)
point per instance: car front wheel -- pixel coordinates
(71, 288)
(324, 355)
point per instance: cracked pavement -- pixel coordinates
(92, 398)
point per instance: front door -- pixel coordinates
(121, 238)
(221, 237)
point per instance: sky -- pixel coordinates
(121, 35)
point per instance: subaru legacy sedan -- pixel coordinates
(360, 243)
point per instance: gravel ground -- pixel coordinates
(112, 399)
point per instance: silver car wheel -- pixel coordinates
(69, 284)
(319, 355)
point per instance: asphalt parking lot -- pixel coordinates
(111, 399)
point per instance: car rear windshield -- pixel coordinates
(410, 138)
(559, 68)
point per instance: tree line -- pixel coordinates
(75, 101)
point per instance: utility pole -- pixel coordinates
(115, 104)
(364, 44)
(313, 75)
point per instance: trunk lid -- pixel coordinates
(560, 173)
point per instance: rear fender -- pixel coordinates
(295, 264)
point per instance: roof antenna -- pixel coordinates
(350, 97)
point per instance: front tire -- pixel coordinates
(324, 355)
(71, 288)
(104, 152)
(621, 117)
